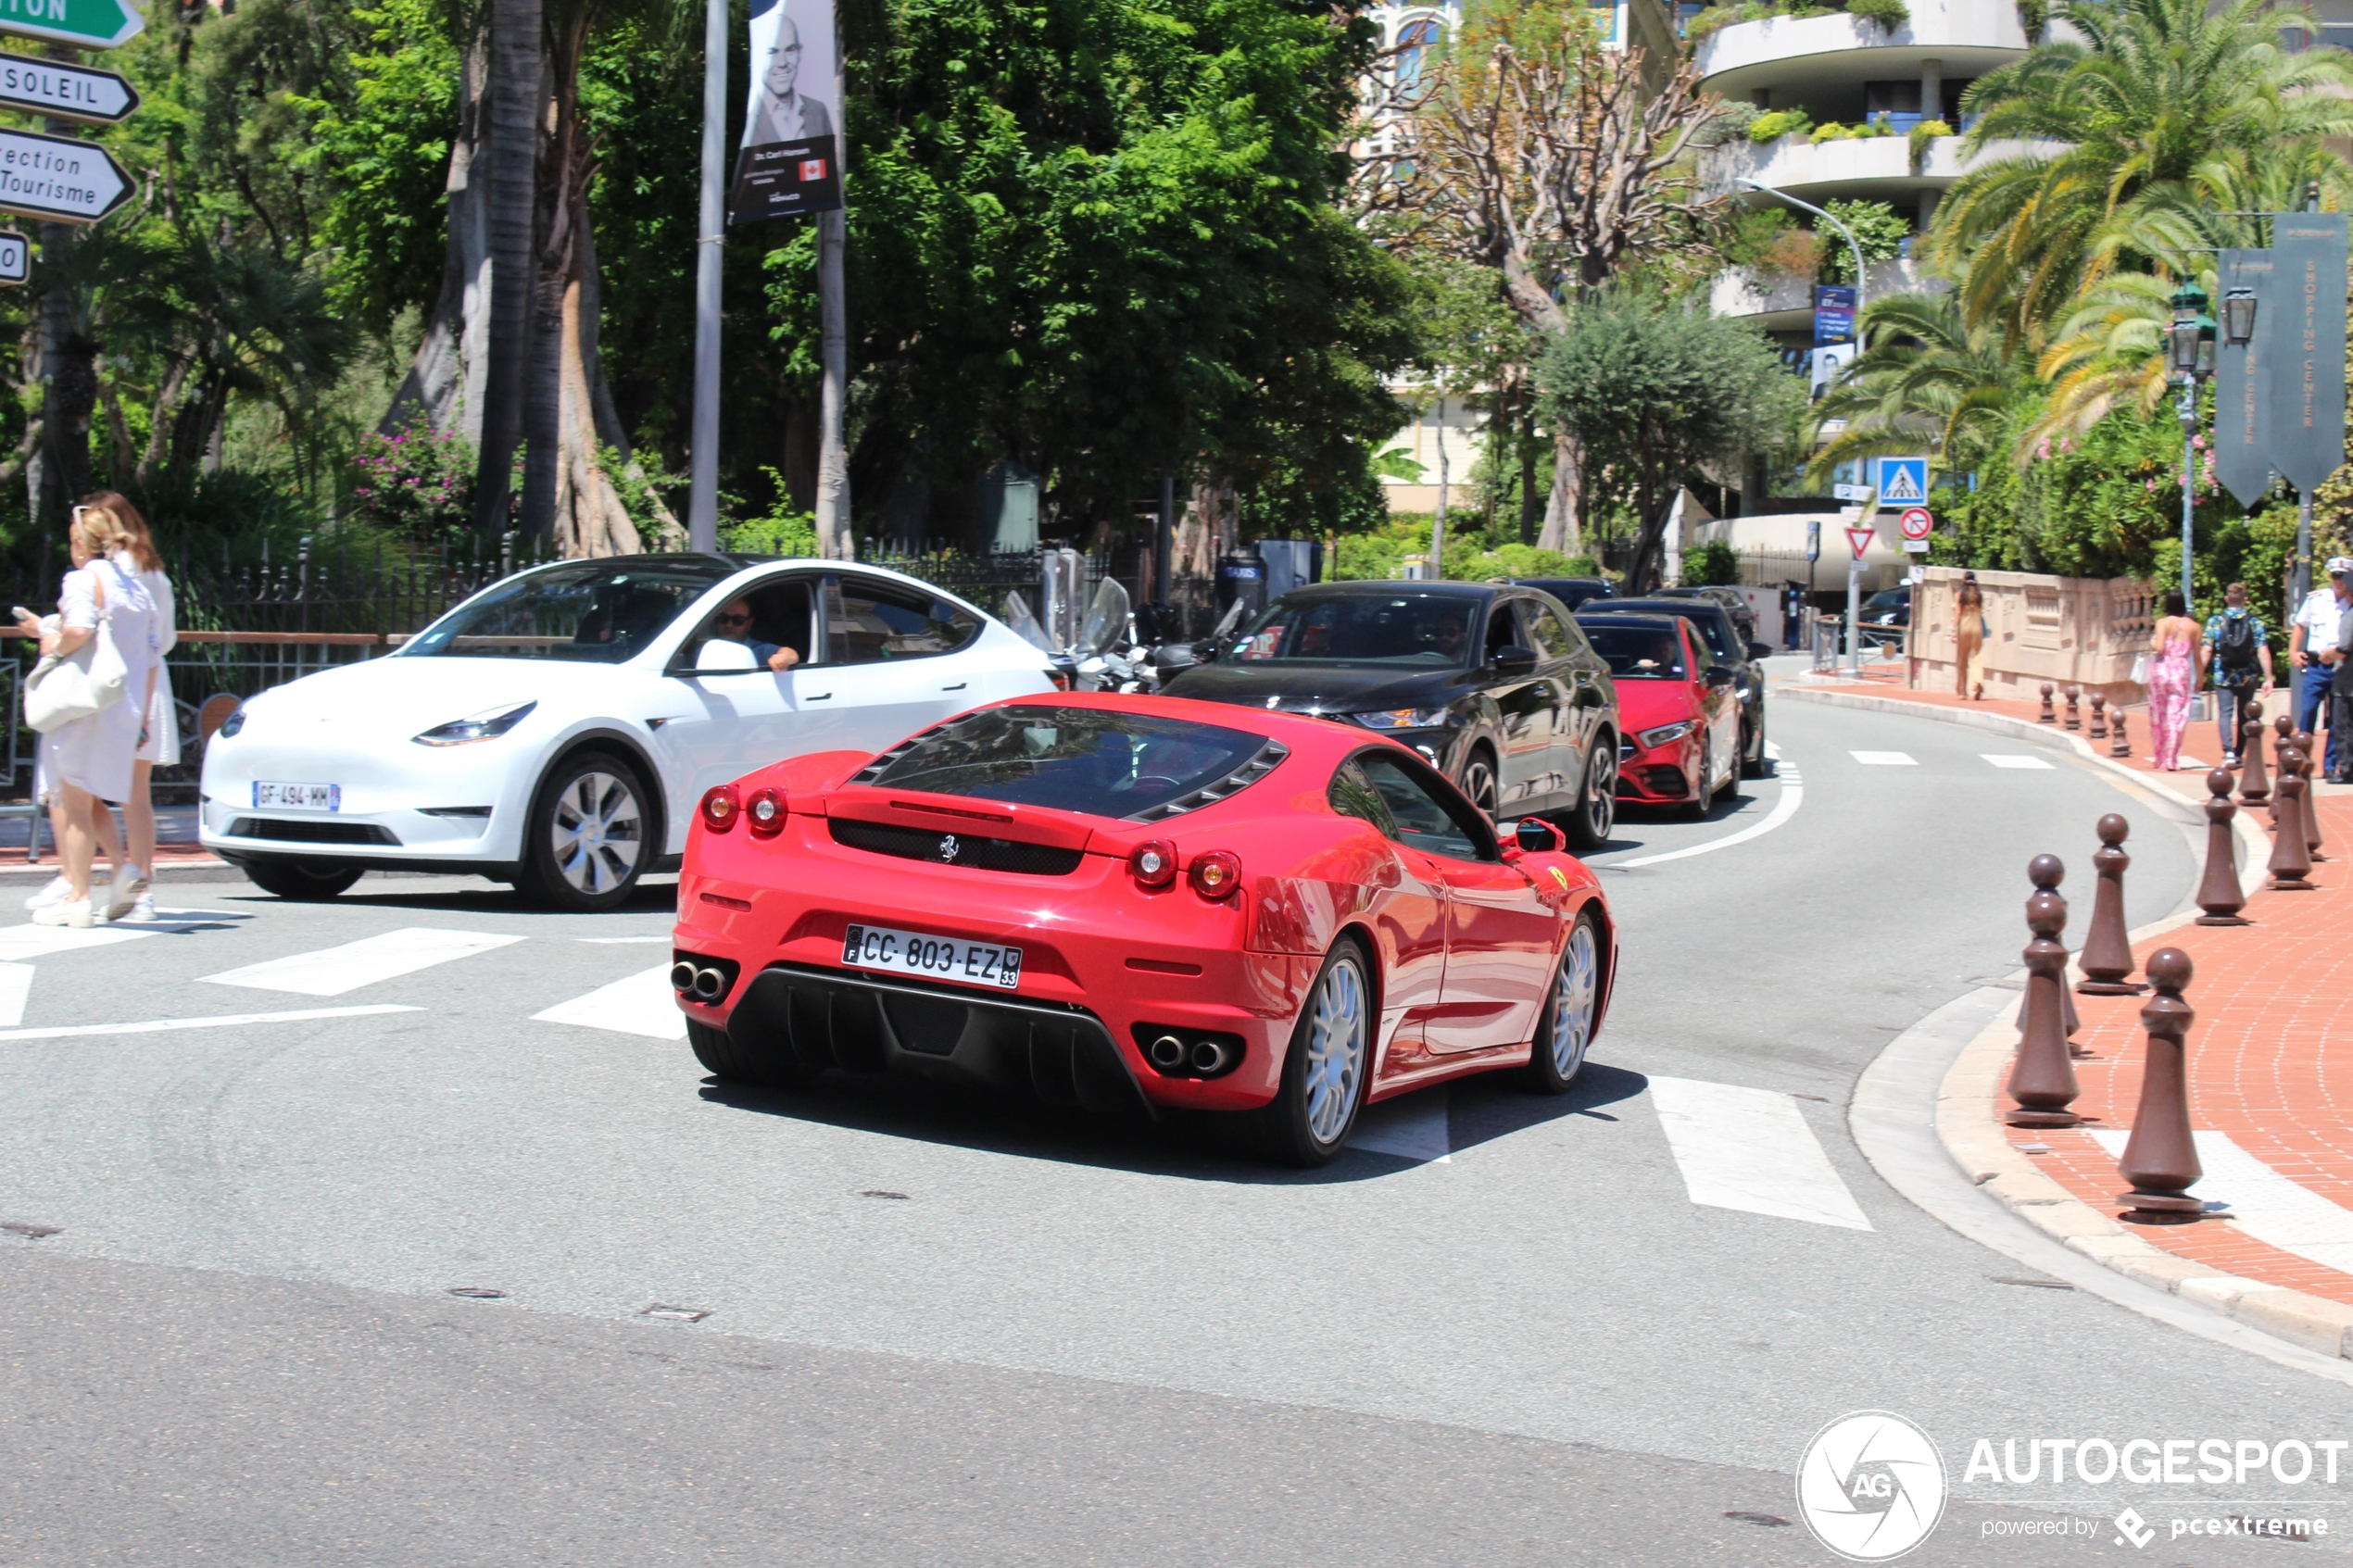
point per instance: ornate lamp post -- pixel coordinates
(2189, 351)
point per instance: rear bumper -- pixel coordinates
(819, 1018)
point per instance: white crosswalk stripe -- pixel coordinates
(1751, 1150)
(15, 988)
(2003, 760)
(643, 1004)
(2264, 1204)
(331, 971)
(1884, 759)
(20, 942)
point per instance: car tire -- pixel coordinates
(1327, 1066)
(1572, 1005)
(1479, 782)
(1595, 815)
(1703, 788)
(302, 881)
(584, 844)
(1753, 752)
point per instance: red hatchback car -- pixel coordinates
(1681, 714)
(1132, 903)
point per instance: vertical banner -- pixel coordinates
(2305, 423)
(2241, 455)
(790, 162)
(1833, 313)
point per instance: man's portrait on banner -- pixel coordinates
(791, 55)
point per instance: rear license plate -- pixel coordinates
(935, 958)
(298, 797)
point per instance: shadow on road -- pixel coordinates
(455, 896)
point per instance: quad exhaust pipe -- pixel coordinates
(1179, 1055)
(704, 985)
(1167, 1053)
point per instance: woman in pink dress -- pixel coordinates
(2172, 676)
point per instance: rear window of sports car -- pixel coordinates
(1102, 762)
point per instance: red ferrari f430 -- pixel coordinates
(1136, 904)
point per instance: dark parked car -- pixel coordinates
(1885, 616)
(1743, 618)
(1726, 646)
(1570, 591)
(1489, 680)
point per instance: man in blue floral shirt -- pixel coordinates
(2235, 656)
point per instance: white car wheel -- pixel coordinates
(588, 833)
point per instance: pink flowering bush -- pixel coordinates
(417, 482)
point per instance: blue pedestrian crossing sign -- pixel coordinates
(1903, 481)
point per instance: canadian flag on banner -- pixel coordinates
(812, 168)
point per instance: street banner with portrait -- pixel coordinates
(790, 164)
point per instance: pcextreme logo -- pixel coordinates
(1871, 1487)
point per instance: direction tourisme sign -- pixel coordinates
(92, 24)
(57, 178)
(99, 98)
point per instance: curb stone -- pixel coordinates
(1979, 1145)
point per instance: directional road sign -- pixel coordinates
(1919, 522)
(89, 24)
(1859, 539)
(99, 98)
(59, 178)
(1903, 481)
(15, 257)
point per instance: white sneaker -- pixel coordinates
(54, 892)
(123, 891)
(142, 911)
(62, 913)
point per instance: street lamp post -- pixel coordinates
(1845, 232)
(2189, 351)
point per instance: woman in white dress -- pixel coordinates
(89, 761)
(160, 747)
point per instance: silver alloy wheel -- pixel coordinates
(1478, 783)
(1573, 991)
(1601, 794)
(596, 831)
(1335, 1050)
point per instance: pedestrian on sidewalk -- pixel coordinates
(2314, 634)
(161, 747)
(1968, 635)
(87, 763)
(2340, 662)
(2171, 678)
(2235, 658)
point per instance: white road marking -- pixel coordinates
(618, 941)
(39, 941)
(331, 971)
(2264, 1204)
(1884, 759)
(643, 1004)
(15, 985)
(1793, 796)
(2002, 760)
(1751, 1150)
(225, 1021)
(1411, 1126)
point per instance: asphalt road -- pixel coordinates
(944, 1331)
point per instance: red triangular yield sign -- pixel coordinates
(1859, 539)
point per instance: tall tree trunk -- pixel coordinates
(1532, 511)
(444, 383)
(513, 151)
(1564, 506)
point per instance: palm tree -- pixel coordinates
(1925, 381)
(2142, 136)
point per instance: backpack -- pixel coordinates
(2234, 644)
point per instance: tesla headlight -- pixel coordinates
(488, 724)
(1401, 718)
(1665, 733)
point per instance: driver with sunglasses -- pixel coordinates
(733, 624)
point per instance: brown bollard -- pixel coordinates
(2311, 800)
(2099, 717)
(2290, 861)
(2074, 715)
(2047, 716)
(2255, 784)
(2107, 958)
(2123, 745)
(2160, 1159)
(2218, 890)
(2283, 732)
(2042, 1080)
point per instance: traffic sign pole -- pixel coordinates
(1858, 541)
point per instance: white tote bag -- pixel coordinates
(89, 680)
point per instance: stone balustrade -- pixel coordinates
(2087, 631)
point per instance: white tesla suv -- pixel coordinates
(556, 729)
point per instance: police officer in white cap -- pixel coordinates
(2312, 649)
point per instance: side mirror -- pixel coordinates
(1537, 836)
(720, 657)
(1760, 650)
(1513, 657)
(1721, 675)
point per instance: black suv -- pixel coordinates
(1726, 646)
(1492, 684)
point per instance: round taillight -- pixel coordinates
(1216, 874)
(1153, 864)
(765, 813)
(721, 807)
